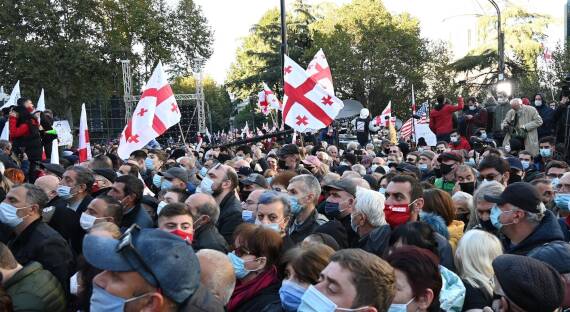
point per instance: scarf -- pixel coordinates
(245, 291)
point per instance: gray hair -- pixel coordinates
(371, 204)
(359, 169)
(84, 176)
(210, 208)
(35, 195)
(221, 281)
(312, 185)
(532, 217)
(270, 197)
(492, 188)
(4, 144)
(352, 146)
(516, 101)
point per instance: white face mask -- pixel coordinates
(472, 107)
(538, 103)
(453, 139)
(86, 221)
(206, 185)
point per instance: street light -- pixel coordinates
(501, 38)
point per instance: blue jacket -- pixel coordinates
(547, 231)
(547, 115)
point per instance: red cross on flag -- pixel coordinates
(156, 111)
(84, 146)
(308, 106)
(386, 116)
(320, 71)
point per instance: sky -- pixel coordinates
(448, 20)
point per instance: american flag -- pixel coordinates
(407, 127)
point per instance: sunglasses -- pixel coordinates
(126, 248)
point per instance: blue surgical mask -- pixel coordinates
(64, 192)
(203, 171)
(352, 224)
(149, 164)
(399, 307)
(247, 216)
(423, 167)
(315, 301)
(239, 265)
(160, 206)
(561, 201)
(332, 209)
(295, 206)
(165, 184)
(206, 185)
(272, 226)
(101, 300)
(156, 180)
(545, 152)
(290, 294)
(495, 215)
(382, 191)
(555, 182)
(525, 164)
(9, 216)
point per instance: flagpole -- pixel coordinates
(182, 134)
(413, 115)
(283, 44)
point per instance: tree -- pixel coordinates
(216, 97)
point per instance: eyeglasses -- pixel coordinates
(126, 248)
(410, 160)
(241, 251)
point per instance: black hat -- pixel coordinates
(450, 156)
(54, 168)
(520, 194)
(288, 149)
(531, 284)
(108, 174)
(255, 178)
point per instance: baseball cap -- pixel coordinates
(515, 163)
(108, 174)
(347, 185)
(288, 149)
(255, 178)
(176, 172)
(520, 194)
(164, 260)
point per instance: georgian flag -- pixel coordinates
(320, 71)
(307, 105)
(84, 145)
(156, 111)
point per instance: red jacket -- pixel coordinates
(21, 130)
(462, 144)
(441, 121)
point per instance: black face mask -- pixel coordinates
(488, 226)
(282, 164)
(467, 187)
(437, 172)
(463, 217)
(445, 169)
(513, 178)
(243, 195)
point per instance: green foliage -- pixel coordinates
(72, 48)
(216, 96)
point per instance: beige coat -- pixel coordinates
(530, 120)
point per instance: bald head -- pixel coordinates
(48, 184)
(199, 199)
(217, 273)
(253, 199)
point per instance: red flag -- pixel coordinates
(156, 111)
(308, 106)
(84, 146)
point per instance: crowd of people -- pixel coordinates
(478, 222)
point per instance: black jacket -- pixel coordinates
(137, 215)
(8, 161)
(62, 219)
(208, 237)
(78, 232)
(547, 231)
(230, 216)
(39, 242)
(267, 300)
(352, 237)
(445, 252)
(298, 233)
(377, 241)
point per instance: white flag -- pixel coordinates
(84, 145)
(14, 96)
(6, 132)
(54, 158)
(41, 102)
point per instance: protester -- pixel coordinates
(30, 287)
(547, 115)
(367, 220)
(520, 126)
(102, 209)
(440, 203)
(448, 163)
(217, 273)
(441, 122)
(128, 190)
(177, 220)
(304, 191)
(274, 212)
(205, 213)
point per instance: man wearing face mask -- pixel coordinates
(548, 153)
(475, 117)
(369, 222)
(176, 219)
(128, 190)
(161, 277)
(340, 204)
(205, 214)
(304, 191)
(221, 183)
(102, 209)
(425, 165)
(274, 212)
(254, 181)
(516, 172)
(448, 162)
(138, 158)
(520, 124)
(174, 178)
(521, 216)
(527, 161)
(482, 218)
(32, 239)
(75, 190)
(547, 115)
(404, 202)
(494, 168)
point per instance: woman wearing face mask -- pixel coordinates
(473, 259)
(255, 260)
(302, 268)
(418, 281)
(439, 202)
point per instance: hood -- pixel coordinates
(547, 231)
(364, 113)
(436, 222)
(452, 293)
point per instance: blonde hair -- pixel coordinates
(474, 257)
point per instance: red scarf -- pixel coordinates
(245, 291)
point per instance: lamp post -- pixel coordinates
(501, 38)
